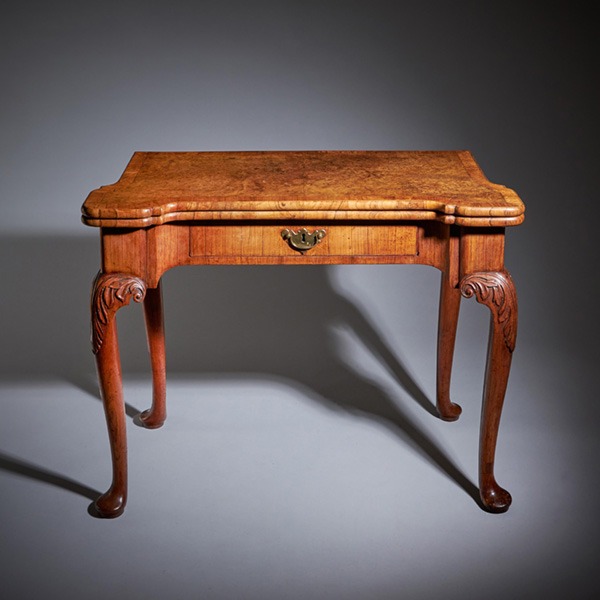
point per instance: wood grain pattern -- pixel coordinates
(429, 208)
(148, 253)
(235, 239)
(161, 187)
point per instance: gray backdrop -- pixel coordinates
(84, 85)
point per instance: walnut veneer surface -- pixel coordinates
(158, 187)
(293, 208)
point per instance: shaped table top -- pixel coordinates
(160, 187)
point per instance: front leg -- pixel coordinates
(109, 293)
(497, 291)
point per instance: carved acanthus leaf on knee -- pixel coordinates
(109, 293)
(496, 290)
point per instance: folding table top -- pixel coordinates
(161, 187)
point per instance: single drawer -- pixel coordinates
(320, 239)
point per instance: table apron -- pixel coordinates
(149, 252)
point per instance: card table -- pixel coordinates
(432, 208)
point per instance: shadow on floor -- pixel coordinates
(22, 468)
(223, 320)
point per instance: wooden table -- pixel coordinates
(299, 208)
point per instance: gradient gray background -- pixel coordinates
(311, 470)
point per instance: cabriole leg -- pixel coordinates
(155, 416)
(496, 290)
(109, 293)
(448, 319)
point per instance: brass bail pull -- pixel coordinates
(302, 240)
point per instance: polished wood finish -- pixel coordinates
(222, 242)
(497, 292)
(292, 208)
(447, 323)
(110, 292)
(155, 416)
(162, 187)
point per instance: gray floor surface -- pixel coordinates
(281, 474)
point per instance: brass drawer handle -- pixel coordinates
(302, 240)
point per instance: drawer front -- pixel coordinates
(258, 240)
